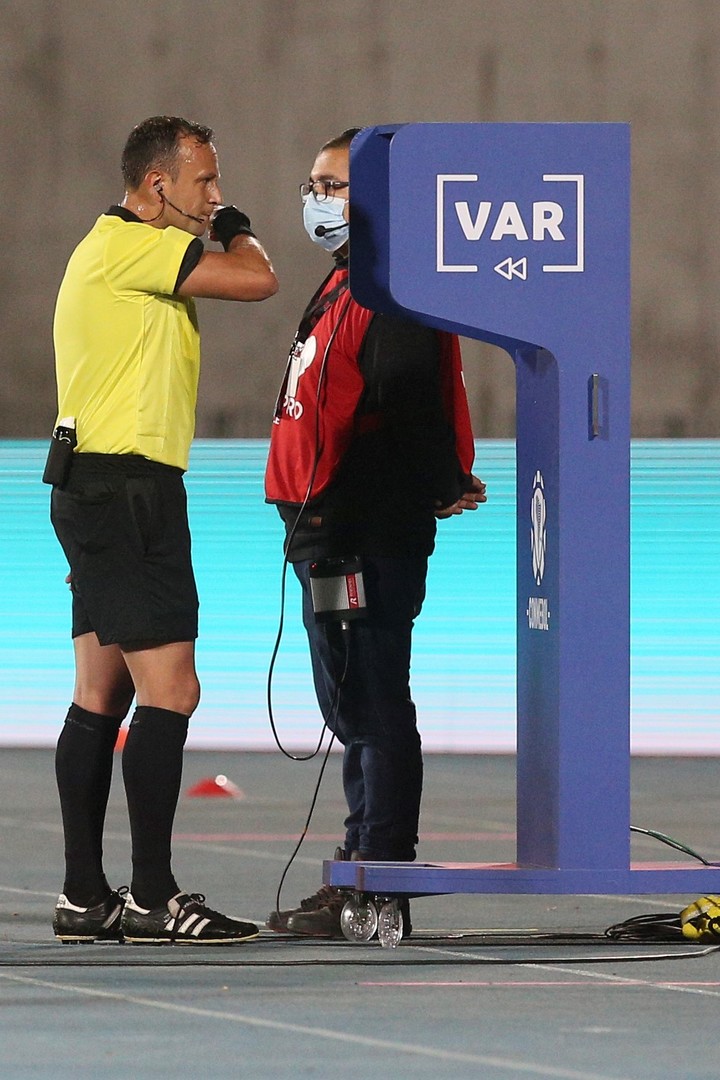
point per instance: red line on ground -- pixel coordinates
(536, 984)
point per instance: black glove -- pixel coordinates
(229, 222)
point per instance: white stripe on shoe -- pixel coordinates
(112, 917)
(193, 925)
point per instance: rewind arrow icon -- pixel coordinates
(510, 269)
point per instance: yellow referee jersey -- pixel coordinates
(127, 350)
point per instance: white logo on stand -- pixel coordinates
(538, 533)
(538, 612)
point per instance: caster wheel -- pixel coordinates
(359, 919)
(390, 924)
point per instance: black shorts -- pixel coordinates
(122, 523)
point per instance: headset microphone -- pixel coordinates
(163, 196)
(322, 230)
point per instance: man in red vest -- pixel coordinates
(371, 443)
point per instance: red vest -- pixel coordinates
(316, 412)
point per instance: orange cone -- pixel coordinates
(214, 787)
(121, 738)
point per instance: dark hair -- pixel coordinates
(341, 141)
(155, 144)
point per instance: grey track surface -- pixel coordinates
(448, 1003)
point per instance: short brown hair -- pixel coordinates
(155, 143)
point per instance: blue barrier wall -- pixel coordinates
(464, 656)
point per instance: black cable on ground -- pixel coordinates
(664, 926)
(385, 958)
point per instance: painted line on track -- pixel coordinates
(511, 1065)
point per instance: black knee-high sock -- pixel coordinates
(152, 771)
(83, 768)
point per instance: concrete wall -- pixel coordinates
(276, 78)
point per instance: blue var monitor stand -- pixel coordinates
(519, 234)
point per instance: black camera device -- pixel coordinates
(337, 589)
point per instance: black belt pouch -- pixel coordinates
(60, 455)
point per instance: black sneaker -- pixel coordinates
(102, 922)
(184, 920)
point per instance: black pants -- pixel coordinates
(370, 710)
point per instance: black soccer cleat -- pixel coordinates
(101, 922)
(184, 920)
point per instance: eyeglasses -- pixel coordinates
(322, 189)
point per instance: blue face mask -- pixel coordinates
(327, 216)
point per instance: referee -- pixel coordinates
(127, 354)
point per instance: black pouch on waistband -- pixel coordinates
(60, 454)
